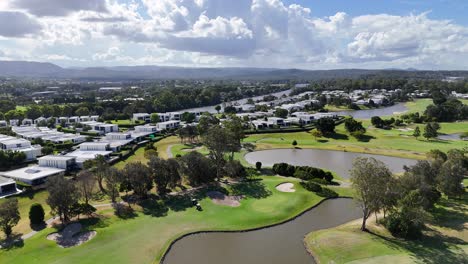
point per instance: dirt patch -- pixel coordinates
(286, 187)
(71, 236)
(222, 199)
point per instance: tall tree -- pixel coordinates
(326, 125)
(113, 180)
(417, 132)
(198, 168)
(9, 215)
(86, 183)
(165, 173)
(139, 176)
(452, 174)
(215, 140)
(63, 197)
(369, 179)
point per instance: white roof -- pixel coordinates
(5, 181)
(32, 173)
(56, 157)
(83, 155)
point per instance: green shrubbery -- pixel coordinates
(302, 172)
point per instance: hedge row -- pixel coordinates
(319, 190)
(302, 172)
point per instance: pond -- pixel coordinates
(274, 245)
(337, 161)
(368, 114)
(455, 136)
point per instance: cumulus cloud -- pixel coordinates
(59, 7)
(17, 24)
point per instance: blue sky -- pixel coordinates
(312, 34)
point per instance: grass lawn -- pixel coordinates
(383, 142)
(444, 241)
(144, 238)
(21, 108)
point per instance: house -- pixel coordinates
(101, 128)
(73, 120)
(33, 175)
(7, 186)
(27, 122)
(277, 121)
(168, 125)
(3, 123)
(14, 122)
(89, 151)
(175, 116)
(58, 161)
(20, 144)
(142, 117)
(117, 140)
(324, 115)
(163, 117)
(146, 129)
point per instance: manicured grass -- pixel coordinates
(445, 240)
(138, 156)
(418, 105)
(21, 108)
(144, 239)
(378, 141)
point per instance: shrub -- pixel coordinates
(258, 165)
(328, 193)
(36, 214)
(294, 143)
(311, 186)
(399, 227)
(320, 181)
(283, 169)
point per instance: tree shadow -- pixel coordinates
(14, 241)
(365, 138)
(322, 140)
(432, 248)
(154, 207)
(124, 211)
(337, 136)
(251, 188)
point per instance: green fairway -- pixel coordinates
(144, 239)
(444, 241)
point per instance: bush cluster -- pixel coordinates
(302, 172)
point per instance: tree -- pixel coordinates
(430, 130)
(218, 108)
(139, 177)
(113, 180)
(326, 125)
(354, 127)
(198, 168)
(258, 165)
(98, 166)
(234, 169)
(86, 183)
(215, 140)
(155, 118)
(9, 215)
(36, 214)
(294, 143)
(63, 196)
(369, 179)
(82, 111)
(188, 117)
(317, 134)
(233, 126)
(417, 132)
(165, 173)
(280, 112)
(452, 174)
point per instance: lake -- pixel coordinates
(383, 111)
(338, 161)
(274, 245)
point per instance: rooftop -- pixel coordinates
(32, 173)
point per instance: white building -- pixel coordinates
(7, 186)
(101, 128)
(14, 122)
(142, 117)
(3, 123)
(48, 135)
(33, 175)
(27, 122)
(168, 125)
(57, 161)
(22, 145)
(89, 151)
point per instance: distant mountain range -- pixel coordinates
(25, 69)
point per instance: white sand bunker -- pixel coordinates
(71, 236)
(286, 187)
(222, 199)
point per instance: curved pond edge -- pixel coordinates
(163, 258)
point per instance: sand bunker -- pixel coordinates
(286, 187)
(222, 199)
(71, 236)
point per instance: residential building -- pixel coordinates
(7, 186)
(142, 117)
(168, 125)
(22, 145)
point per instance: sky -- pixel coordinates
(307, 34)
